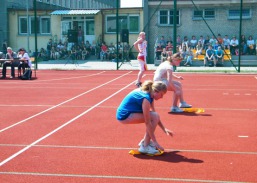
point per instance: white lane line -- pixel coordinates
(170, 179)
(42, 112)
(243, 136)
(111, 148)
(67, 123)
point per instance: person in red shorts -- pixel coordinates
(140, 46)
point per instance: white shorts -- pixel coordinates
(142, 65)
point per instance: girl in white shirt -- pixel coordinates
(164, 73)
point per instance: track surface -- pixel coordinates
(61, 127)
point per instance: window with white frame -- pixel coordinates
(130, 22)
(206, 14)
(43, 25)
(235, 14)
(166, 17)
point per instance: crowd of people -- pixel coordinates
(83, 50)
(212, 47)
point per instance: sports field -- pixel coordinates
(61, 127)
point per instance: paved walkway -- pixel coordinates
(132, 65)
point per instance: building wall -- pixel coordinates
(188, 27)
(17, 41)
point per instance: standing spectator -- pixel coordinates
(80, 35)
(234, 46)
(4, 47)
(103, 53)
(9, 55)
(49, 48)
(162, 42)
(209, 56)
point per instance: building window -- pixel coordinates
(235, 14)
(130, 22)
(166, 17)
(43, 25)
(206, 13)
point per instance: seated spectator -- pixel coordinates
(226, 42)
(9, 55)
(199, 49)
(25, 61)
(219, 40)
(169, 40)
(213, 41)
(219, 56)
(169, 46)
(251, 46)
(206, 43)
(88, 47)
(158, 51)
(111, 51)
(209, 56)
(234, 46)
(42, 54)
(193, 42)
(189, 57)
(179, 41)
(201, 39)
(185, 41)
(243, 44)
(164, 55)
(183, 49)
(85, 53)
(52, 53)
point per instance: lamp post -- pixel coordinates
(35, 28)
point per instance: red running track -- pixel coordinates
(61, 127)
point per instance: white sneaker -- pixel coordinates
(150, 144)
(184, 105)
(148, 149)
(176, 110)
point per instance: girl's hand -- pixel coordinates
(158, 146)
(180, 77)
(168, 132)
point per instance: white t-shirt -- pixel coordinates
(26, 57)
(161, 71)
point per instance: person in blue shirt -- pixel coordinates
(209, 56)
(219, 55)
(138, 107)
